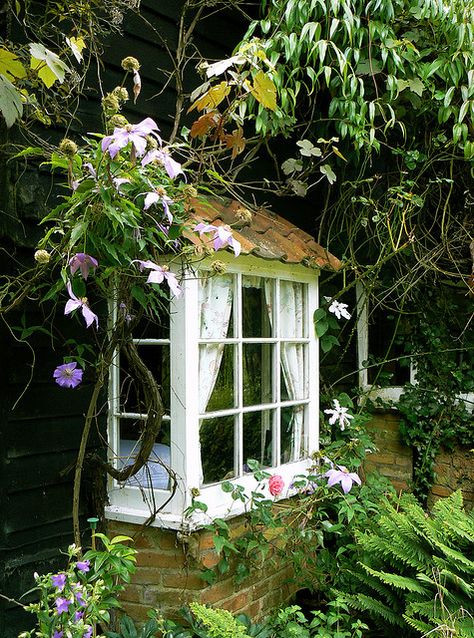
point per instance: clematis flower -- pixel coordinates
(62, 605)
(342, 476)
(83, 565)
(163, 157)
(58, 634)
(339, 309)
(78, 616)
(159, 274)
(339, 414)
(59, 580)
(135, 134)
(159, 195)
(119, 181)
(67, 376)
(222, 236)
(88, 632)
(82, 262)
(275, 485)
(74, 303)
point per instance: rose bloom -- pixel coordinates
(276, 485)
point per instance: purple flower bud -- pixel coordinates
(83, 565)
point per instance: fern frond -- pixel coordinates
(375, 609)
(419, 625)
(400, 582)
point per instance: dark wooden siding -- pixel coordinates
(39, 437)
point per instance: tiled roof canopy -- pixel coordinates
(261, 233)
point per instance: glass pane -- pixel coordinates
(293, 310)
(153, 473)
(258, 437)
(293, 381)
(215, 306)
(157, 327)
(157, 360)
(216, 359)
(388, 337)
(257, 377)
(217, 437)
(257, 306)
(292, 434)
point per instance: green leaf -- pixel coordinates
(11, 106)
(321, 328)
(10, 66)
(326, 170)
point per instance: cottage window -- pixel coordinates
(238, 371)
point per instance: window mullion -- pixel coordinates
(276, 377)
(238, 377)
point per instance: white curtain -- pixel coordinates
(292, 356)
(215, 305)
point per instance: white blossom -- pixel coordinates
(339, 309)
(339, 415)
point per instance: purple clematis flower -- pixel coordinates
(159, 274)
(342, 476)
(83, 565)
(222, 236)
(163, 157)
(159, 195)
(82, 262)
(74, 303)
(67, 376)
(78, 616)
(62, 605)
(135, 134)
(88, 632)
(59, 580)
(58, 634)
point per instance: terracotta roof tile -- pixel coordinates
(261, 233)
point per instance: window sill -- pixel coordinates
(219, 503)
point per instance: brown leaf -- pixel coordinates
(211, 98)
(204, 124)
(236, 141)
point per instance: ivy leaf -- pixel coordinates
(10, 102)
(264, 90)
(212, 98)
(307, 149)
(48, 65)
(10, 66)
(299, 187)
(291, 165)
(328, 172)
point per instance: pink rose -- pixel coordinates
(276, 485)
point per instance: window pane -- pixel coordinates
(292, 433)
(216, 377)
(388, 337)
(156, 328)
(258, 437)
(257, 305)
(257, 378)
(293, 384)
(215, 307)
(153, 473)
(157, 360)
(217, 437)
(292, 310)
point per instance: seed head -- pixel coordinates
(121, 93)
(130, 64)
(42, 256)
(218, 267)
(110, 104)
(67, 147)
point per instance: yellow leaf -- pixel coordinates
(10, 66)
(44, 72)
(264, 91)
(338, 153)
(211, 98)
(76, 45)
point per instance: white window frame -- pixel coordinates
(126, 502)
(390, 394)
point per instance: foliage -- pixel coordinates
(129, 630)
(315, 529)
(415, 572)
(290, 622)
(72, 602)
(205, 622)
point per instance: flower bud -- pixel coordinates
(130, 64)
(42, 256)
(68, 147)
(117, 121)
(195, 492)
(121, 93)
(110, 103)
(218, 267)
(151, 143)
(243, 216)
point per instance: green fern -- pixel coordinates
(416, 571)
(219, 623)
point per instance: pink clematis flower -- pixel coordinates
(74, 303)
(158, 274)
(82, 262)
(135, 134)
(159, 195)
(222, 236)
(163, 157)
(276, 485)
(344, 477)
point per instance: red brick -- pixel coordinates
(237, 603)
(146, 576)
(183, 580)
(160, 559)
(218, 592)
(155, 596)
(210, 559)
(136, 611)
(133, 594)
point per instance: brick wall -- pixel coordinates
(168, 576)
(454, 469)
